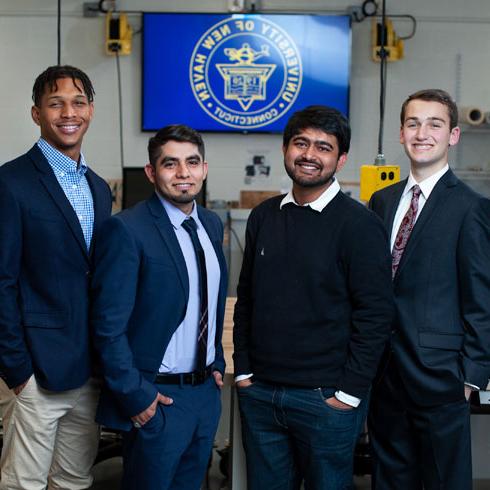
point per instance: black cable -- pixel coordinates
(119, 90)
(382, 75)
(414, 25)
(59, 32)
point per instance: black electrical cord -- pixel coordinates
(382, 76)
(414, 25)
(59, 32)
(119, 90)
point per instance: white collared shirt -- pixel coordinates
(318, 204)
(426, 187)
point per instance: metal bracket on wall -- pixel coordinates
(91, 9)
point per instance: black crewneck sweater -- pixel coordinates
(314, 297)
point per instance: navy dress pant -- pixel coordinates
(417, 447)
(172, 450)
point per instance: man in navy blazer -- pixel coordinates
(51, 205)
(147, 299)
(440, 344)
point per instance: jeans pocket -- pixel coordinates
(326, 393)
(245, 389)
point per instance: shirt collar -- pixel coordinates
(427, 185)
(59, 161)
(318, 204)
(176, 216)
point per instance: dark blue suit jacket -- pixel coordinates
(442, 292)
(140, 298)
(44, 276)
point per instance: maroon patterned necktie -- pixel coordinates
(405, 229)
(190, 226)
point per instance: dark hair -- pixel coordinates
(326, 119)
(433, 95)
(48, 78)
(175, 132)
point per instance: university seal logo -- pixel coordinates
(245, 72)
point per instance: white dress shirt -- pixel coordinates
(181, 353)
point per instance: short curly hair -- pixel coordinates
(48, 78)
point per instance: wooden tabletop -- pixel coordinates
(228, 333)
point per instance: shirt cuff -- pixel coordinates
(347, 399)
(241, 377)
(473, 387)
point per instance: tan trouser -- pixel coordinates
(49, 438)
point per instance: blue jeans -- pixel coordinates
(291, 435)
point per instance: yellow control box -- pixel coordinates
(392, 43)
(375, 177)
(119, 35)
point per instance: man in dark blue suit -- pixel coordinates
(440, 344)
(51, 205)
(160, 290)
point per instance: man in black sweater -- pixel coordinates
(312, 317)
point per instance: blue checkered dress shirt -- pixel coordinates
(74, 184)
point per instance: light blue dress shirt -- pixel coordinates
(181, 353)
(71, 177)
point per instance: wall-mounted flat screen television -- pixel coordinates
(241, 72)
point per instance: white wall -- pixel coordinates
(28, 40)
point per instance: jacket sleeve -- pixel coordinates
(15, 360)
(474, 277)
(219, 361)
(114, 288)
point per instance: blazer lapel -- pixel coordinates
(48, 179)
(436, 199)
(166, 230)
(98, 204)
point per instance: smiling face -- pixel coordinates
(64, 116)
(311, 159)
(178, 174)
(426, 135)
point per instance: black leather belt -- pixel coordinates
(194, 378)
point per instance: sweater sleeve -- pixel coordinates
(368, 273)
(243, 308)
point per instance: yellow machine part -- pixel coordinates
(119, 35)
(393, 44)
(375, 177)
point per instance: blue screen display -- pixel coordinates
(241, 72)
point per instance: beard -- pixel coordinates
(184, 198)
(308, 182)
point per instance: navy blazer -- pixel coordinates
(141, 292)
(441, 334)
(44, 276)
